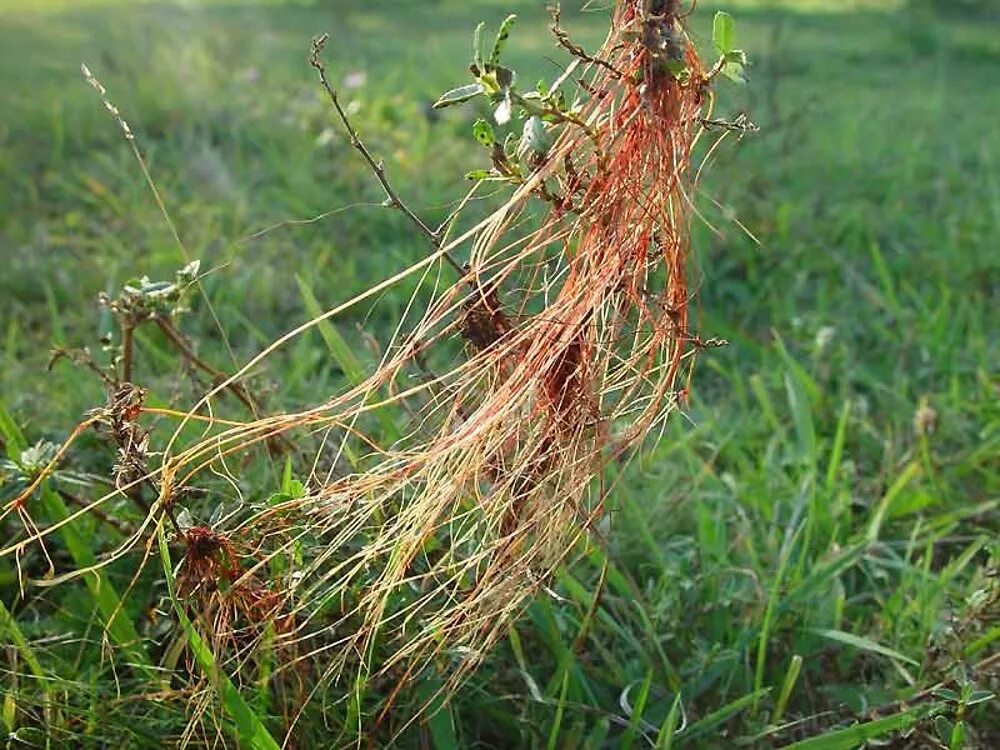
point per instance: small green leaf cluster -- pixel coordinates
(141, 299)
(492, 80)
(951, 725)
(539, 111)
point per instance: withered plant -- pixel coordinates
(572, 305)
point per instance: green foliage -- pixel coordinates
(540, 111)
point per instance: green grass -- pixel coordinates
(794, 558)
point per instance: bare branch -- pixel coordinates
(378, 168)
(564, 41)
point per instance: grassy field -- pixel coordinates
(809, 554)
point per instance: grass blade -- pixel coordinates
(10, 630)
(720, 715)
(557, 723)
(665, 739)
(120, 628)
(791, 677)
(854, 737)
(890, 496)
(635, 717)
(342, 354)
(865, 644)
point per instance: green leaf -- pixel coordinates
(665, 739)
(735, 67)
(945, 694)
(886, 503)
(532, 104)
(341, 351)
(979, 696)
(765, 628)
(723, 32)
(854, 737)
(864, 644)
(290, 487)
(11, 633)
(635, 715)
(440, 718)
(791, 676)
(477, 45)
(553, 742)
(944, 727)
(721, 715)
(735, 73)
(801, 409)
(286, 476)
(598, 735)
(482, 131)
(459, 95)
(677, 69)
(12, 435)
(479, 174)
(502, 35)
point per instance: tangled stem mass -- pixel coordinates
(575, 330)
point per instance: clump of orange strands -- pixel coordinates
(577, 340)
(577, 335)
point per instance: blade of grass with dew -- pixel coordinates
(249, 727)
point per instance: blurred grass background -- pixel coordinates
(831, 495)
